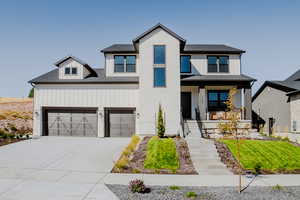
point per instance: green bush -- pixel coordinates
(174, 187)
(191, 195)
(160, 123)
(161, 154)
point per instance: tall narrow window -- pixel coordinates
(67, 70)
(119, 64)
(74, 70)
(218, 64)
(159, 77)
(159, 54)
(185, 64)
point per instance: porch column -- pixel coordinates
(242, 102)
(248, 103)
(202, 103)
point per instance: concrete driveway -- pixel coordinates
(58, 168)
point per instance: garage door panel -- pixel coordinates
(122, 124)
(72, 123)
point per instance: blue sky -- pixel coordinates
(35, 34)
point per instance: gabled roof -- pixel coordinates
(53, 78)
(93, 73)
(291, 85)
(159, 25)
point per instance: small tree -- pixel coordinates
(31, 93)
(160, 123)
(231, 127)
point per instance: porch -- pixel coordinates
(203, 101)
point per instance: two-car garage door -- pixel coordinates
(71, 122)
(84, 122)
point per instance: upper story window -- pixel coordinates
(70, 70)
(159, 54)
(218, 64)
(125, 64)
(216, 100)
(185, 64)
(159, 77)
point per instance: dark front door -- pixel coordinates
(271, 124)
(186, 106)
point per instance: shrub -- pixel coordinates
(277, 187)
(2, 117)
(137, 171)
(174, 187)
(137, 186)
(122, 163)
(191, 195)
(160, 123)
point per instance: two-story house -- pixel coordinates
(189, 81)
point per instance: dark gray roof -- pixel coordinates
(52, 77)
(188, 48)
(120, 48)
(210, 48)
(159, 25)
(291, 85)
(241, 77)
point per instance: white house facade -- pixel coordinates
(190, 81)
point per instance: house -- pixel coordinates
(277, 104)
(189, 81)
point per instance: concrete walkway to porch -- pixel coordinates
(205, 156)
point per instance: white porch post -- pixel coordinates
(243, 103)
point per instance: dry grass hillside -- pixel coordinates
(16, 114)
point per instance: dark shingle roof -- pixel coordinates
(120, 48)
(291, 85)
(241, 77)
(188, 48)
(159, 25)
(52, 77)
(213, 48)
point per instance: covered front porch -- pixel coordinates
(203, 101)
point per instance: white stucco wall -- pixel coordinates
(81, 70)
(295, 112)
(199, 65)
(98, 96)
(110, 63)
(150, 97)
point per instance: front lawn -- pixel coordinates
(161, 154)
(271, 155)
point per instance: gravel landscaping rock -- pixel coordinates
(209, 193)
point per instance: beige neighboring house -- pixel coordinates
(277, 105)
(190, 81)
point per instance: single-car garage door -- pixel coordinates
(120, 122)
(71, 122)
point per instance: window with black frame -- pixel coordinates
(185, 64)
(218, 64)
(125, 64)
(216, 100)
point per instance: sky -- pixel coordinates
(35, 34)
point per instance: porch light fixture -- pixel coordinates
(101, 113)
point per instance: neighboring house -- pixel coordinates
(190, 81)
(277, 103)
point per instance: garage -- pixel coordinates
(119, 122)
(70, 122)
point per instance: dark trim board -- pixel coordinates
(46, 110)
(109, 110)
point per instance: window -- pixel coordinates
(218, 64)
(294, 125)
(125, 64)
(67, 70)
(216, 100)
(74, 70)
(185, 64)
(159, 77)
(159, 54)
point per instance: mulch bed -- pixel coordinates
(229, 160)
(9, 141)
(136, 164)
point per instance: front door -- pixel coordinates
(186, 107)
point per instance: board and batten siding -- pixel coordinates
(81, 70)
(98, 96)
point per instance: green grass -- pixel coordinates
(161, 154)
(271, 155)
